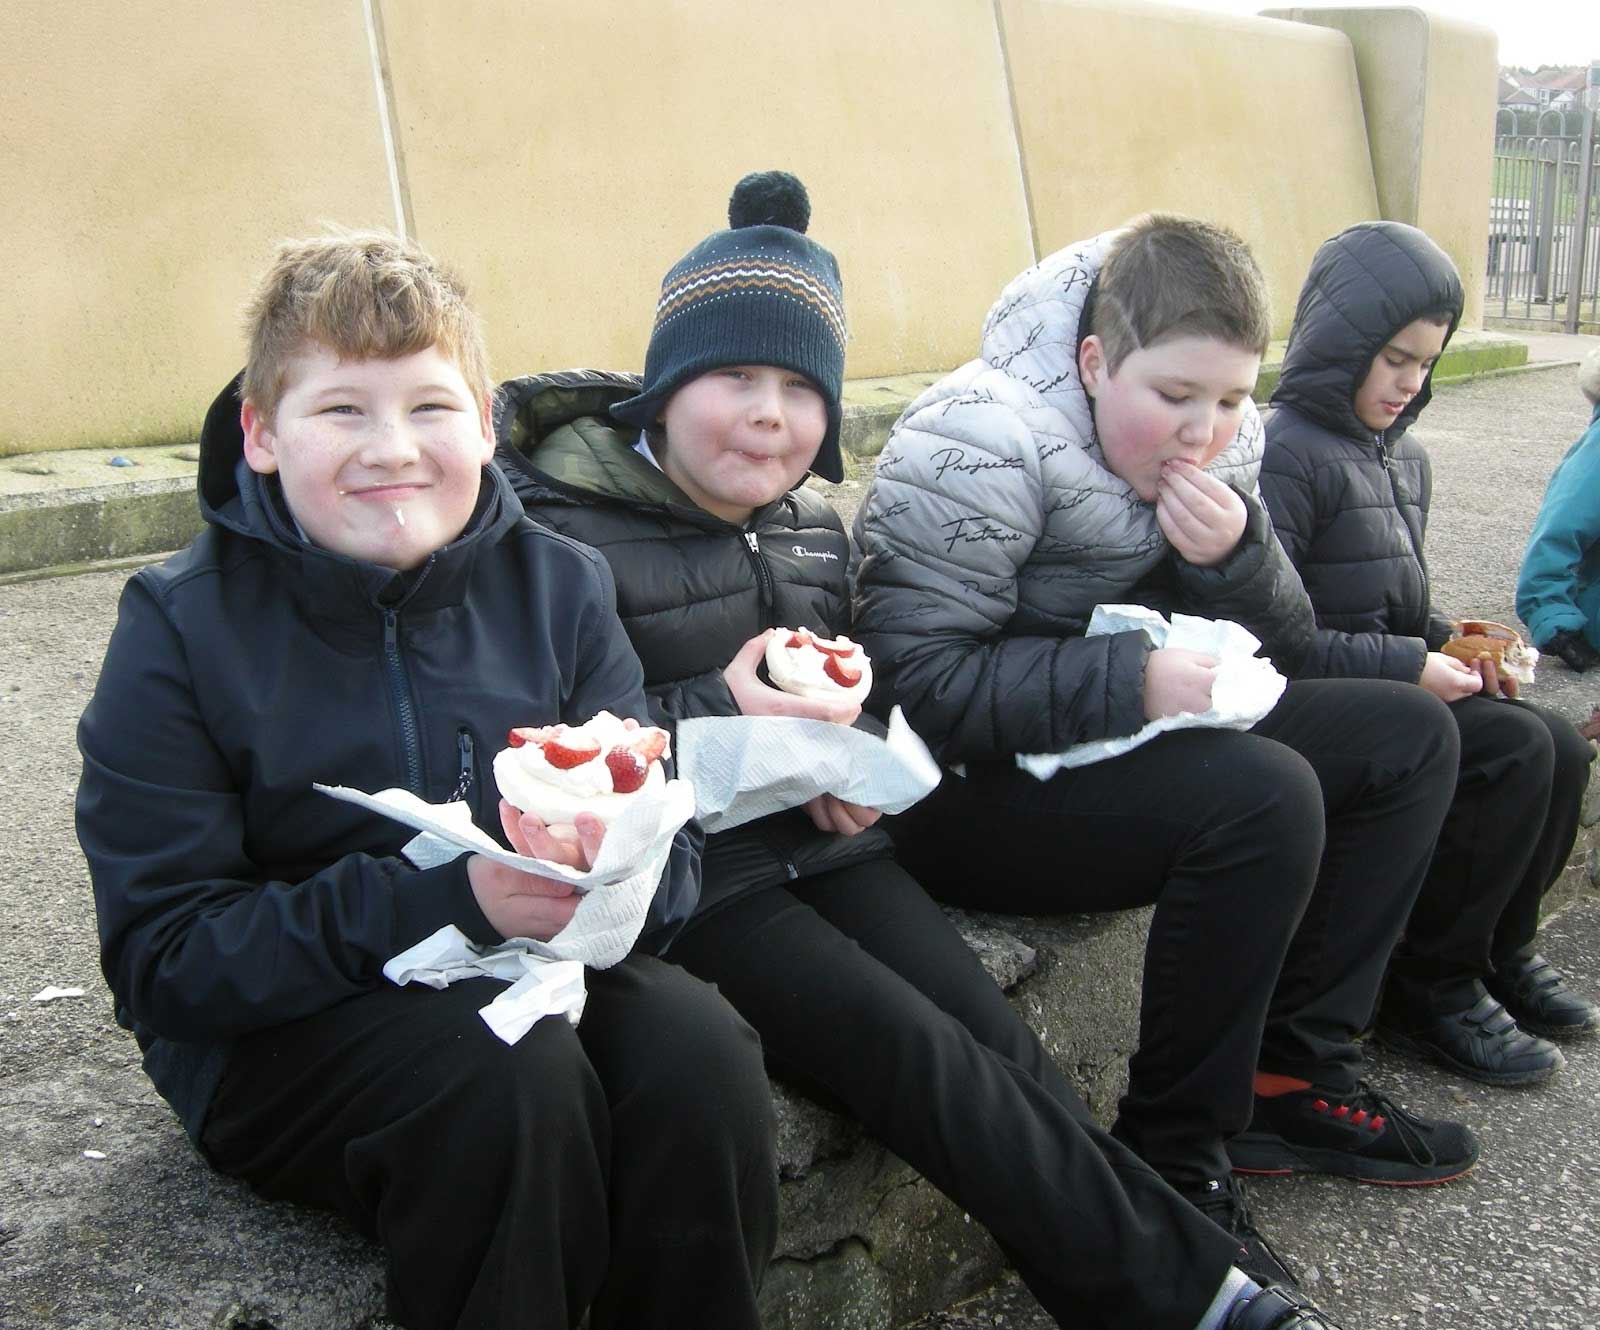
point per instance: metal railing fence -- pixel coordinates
(1544, 227)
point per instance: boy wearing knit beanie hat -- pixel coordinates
(859, 986)
(760, 292)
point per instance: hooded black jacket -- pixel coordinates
(691, 588)
(231, 896)
(1350, 506)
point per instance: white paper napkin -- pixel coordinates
(1246, 687)
(744, 767)
(616, 896)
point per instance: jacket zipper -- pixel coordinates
(400, 690)
(464, 773)
(1416, 547)
(763, 573)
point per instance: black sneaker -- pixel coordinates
(1221, 1200)
(1276, 1309)
(1536, 993)
(1365, 1136)
(1483, 1042)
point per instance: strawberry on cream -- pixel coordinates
(833, 669)
(559, 771)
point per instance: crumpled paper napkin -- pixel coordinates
(1246, 688)
(547, 976)
(744, 767)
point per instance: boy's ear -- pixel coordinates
(486, 421)
(1091, 363)
(260, 446)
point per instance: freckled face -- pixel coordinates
(740, 436)
(1397, 373)
(379, 460)
(1177, 400)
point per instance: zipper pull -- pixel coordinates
(391, 633)
(753, 543)
(464, 780)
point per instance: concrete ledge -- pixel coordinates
(160, 1242)
(76, 506)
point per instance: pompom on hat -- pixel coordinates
(759, 293)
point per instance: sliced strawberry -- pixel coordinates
(840, 647)
(651, 746)
(840, 673)
(799, 638)
(562, 753)
(526, 734)
(627, 769)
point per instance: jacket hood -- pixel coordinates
(558, 428)
(1031, 337)
(237, 499)
(1365, 284)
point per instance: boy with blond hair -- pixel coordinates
(1103, 449)
(368, 606)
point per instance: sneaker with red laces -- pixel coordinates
(1365, 1136)
(1275, 1308)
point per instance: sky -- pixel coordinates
(1531, 32)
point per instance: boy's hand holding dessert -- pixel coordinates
(840, 705)
(1497, 653)
(561, 785)
(813, 678)
(1201, 517)
(1177, 681)
(522, 904)
(1449, 679)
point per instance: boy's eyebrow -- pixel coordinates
(1177, 382)
(350, 389)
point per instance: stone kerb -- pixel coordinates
(163, 1243)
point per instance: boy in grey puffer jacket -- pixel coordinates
(1104, 449)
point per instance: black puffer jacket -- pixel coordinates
(691, 588)
(1350, 506)
(231, 896)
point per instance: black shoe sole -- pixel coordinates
(1267, 1155)
(1585, 1031)
(1421, 1048)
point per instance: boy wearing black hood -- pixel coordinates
(368, 606)
(1348, 490)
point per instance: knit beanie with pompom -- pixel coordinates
(759, 293)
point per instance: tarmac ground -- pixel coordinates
(1513, 1246)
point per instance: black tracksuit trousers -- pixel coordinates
(1504, 843)
(866, 997)
(625, 1166)
(1282, 864)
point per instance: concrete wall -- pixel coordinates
(565, 163)
(1126, 107)
(154, 151)
(563, 155)
(1427, 92)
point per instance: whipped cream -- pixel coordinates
(803, 670)
(529, 781)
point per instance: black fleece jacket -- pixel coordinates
(691, 588)
(231, 896)
(1350, 505)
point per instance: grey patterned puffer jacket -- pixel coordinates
(993, 528)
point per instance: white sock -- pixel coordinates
(1235, 1286)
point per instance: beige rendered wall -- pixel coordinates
(1125, 107)
(153, 153)
(564, 154)
(1428, 92)
(565, 161)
